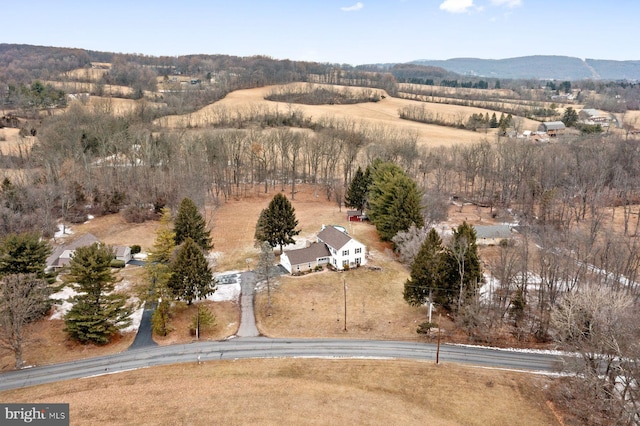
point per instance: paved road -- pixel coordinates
(262, 347)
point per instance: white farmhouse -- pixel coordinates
(334, 246)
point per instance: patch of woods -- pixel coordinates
(319, 95)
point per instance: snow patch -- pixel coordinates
(63, 306)
(136, 317)
(62, 231)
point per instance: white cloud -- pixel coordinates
(508, 3)
(353, 8)
(457, 6)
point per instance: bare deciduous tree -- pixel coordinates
(21, 297)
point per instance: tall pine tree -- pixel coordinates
(394, 201)
(277, 223)
(464, 272)
(23, 254)
(358, 190)
(427, 271)
(191, 278)
(189, 223)
(97, 313)
(159, 272)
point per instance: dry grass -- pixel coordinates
(48, 344)
(297, 391)
(114, 230)
(227, 323)
(11, 143)
(380, 113)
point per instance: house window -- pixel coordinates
(358, 250)
(345, 252)
(358, 261)
(335, 263)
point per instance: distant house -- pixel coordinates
(334, 246)
(594, 116)
(492, 234)
(61, 255)
(552, 128)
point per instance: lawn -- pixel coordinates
(302, 391)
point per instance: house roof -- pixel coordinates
(308, 254)
(493, 231)
(84, 241)
(120, 251)
(591, 112)
(333, 237)
(554, 125)
(354, 213)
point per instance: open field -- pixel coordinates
(11, 143)
(382, 113)
(302, 391)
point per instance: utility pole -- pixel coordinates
(438, 348)
(344, 281)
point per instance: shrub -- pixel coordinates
(136, 214)
(135, 249)
(117, 263)
(425, 327)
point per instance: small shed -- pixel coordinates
(356, 216)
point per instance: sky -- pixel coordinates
(333, 31)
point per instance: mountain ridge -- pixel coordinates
(553, 67)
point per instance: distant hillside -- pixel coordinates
(540, 67)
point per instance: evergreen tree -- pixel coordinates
(570, 117)
(97, 313)
(493, 122)
(204, 319)
(358, 190)
(159, 272)
(26, 254)
(191, 278)
(463, 269)
(189, 223)
(426, 273)
(394, 201)
(277, 223)
(23, 254)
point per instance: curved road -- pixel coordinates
(262, 347)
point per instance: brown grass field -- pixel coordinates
(301, 391)
(382, 113)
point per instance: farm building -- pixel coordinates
(356, 216)
(334, 246)
(552, 128)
